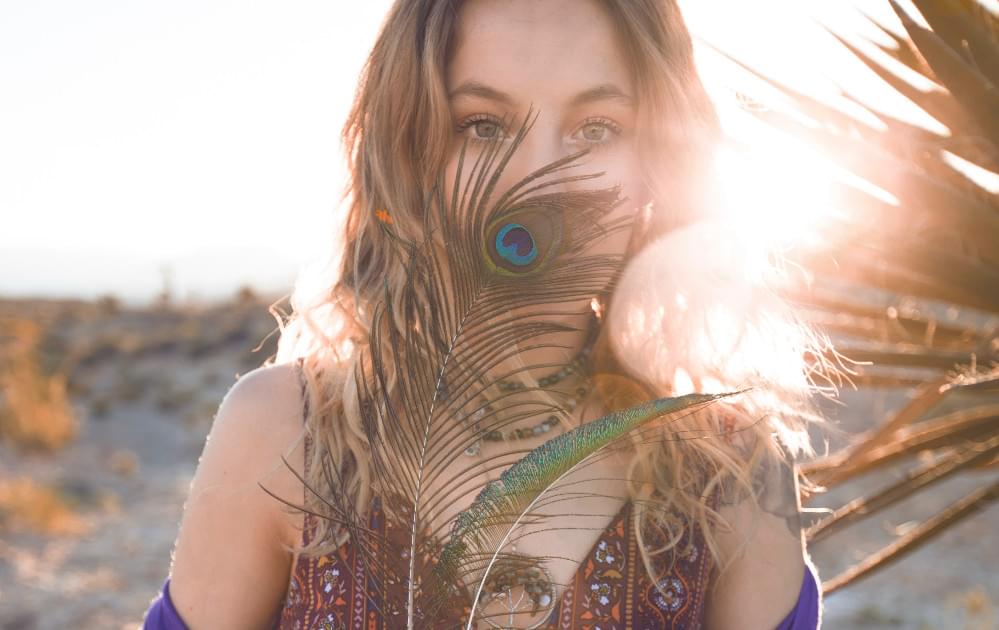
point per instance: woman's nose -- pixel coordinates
(543, 144)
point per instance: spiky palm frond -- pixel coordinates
(940, 243)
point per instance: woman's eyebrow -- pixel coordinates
(474, 88)
(603, 92)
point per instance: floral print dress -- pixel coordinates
(611, 589)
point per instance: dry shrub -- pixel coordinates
(108, 305)
(201, 415)
(100, 407)
(170, 397)
(124, 462)
(35, 409)
(27, 505)
(246, 295)
(979, 611)
(130, 386)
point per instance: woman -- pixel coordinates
(617, 78)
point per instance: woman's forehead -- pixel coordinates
(529, 49)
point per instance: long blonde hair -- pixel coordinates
(397, 138)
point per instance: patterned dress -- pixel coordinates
(611, 589)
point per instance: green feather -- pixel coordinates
(520, 486)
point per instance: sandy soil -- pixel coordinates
(953, 582)
(128, 473)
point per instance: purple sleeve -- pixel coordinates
(805, 614)
(162, 615)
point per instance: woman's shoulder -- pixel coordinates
(232, 555)
(265, 408)
(276, 387)
(763, 551)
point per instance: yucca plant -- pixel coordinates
(939, 245)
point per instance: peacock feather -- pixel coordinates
(495, 275)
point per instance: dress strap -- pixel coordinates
(308, 522)
(303, 384)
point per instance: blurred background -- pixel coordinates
(168, 170)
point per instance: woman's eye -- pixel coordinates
(486, 130)
(595, 132)
(598, 132)
(482, 129)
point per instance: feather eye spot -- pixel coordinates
(522, 243)
(515, 244)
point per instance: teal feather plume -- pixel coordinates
(520, 486)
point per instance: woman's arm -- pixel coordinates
(767, 579)
(229, 569)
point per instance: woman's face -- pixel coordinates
(562, 57)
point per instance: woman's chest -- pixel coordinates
(609, 589)
(557, 529)
(536, 551)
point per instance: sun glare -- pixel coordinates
(772, 187)
(781, 188)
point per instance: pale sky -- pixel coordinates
(204, 135)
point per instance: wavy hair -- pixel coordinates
(397, 137)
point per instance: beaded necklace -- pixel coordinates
(575, 366)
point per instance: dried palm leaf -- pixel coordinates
(939, 243)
